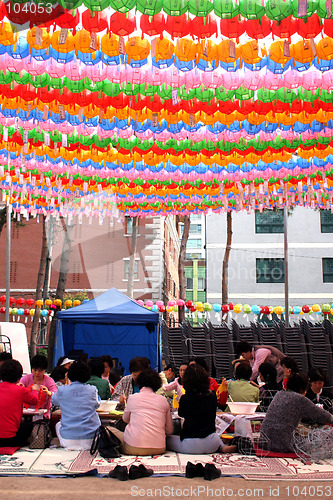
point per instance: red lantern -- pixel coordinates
(69, 20)
(193, 309)
(328, 27)
(96, 23)
(30, 302)
(122, 24)
(202, 29)
(3, 299)
(225, 308)
(189, 304)
(2, 310)
(285, 28)
(232, 28)
(258, 28)
(306, 309)
(20, 302)
(178, 26)
(11, 301)
(311, 27)
(231, 306)
(161, 309)
(154, 25)
(26, 312)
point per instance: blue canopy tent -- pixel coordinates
(112, 323)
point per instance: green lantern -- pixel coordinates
(308, 95)
(130, 89)
(224, 95)
(5, 78)
(251, 9)
(185, 93)
(149, 90)
(74, 86)
(278, 9)
(69, 4)
(204, 94)
(226, 9)
(244, 94)
(326, 96)
(303, 8)
(111, 89)
(266, 95)
(40, 81)
(175, 7)
(322, 10)
(148, 7)
(165, 92)
(246, 308)
(56, 83)
(286, 95)
(122, 5)
(200, 8)
(207, 306)
(22, 79)
(97, 5)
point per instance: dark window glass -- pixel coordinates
(270, 270)
(269, 221)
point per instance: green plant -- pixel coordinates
(76, 296)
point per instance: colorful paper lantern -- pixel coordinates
(316, 308)
(154, 25)
(247, 309)
(121, 24)
(217, 307)
(255, 309)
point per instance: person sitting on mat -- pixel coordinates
(78, 403)
(289, 367)
(128, 385)
(46, 384)
(14, 432)
(97, 368)
(241, 389)
(198, 408)
(177, 384)
(317, 392)
(148, 418)
(284, 414)
(268, 374)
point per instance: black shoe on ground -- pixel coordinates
(194, 470)
(135, 472)
(211, 472)
(119, 472)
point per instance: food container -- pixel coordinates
(107, 406)
(241, 408)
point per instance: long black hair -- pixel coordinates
(196, 380)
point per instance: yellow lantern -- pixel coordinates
(199, 306)
(32, 312)
(238, 308)
(169, 309)
(39, 303)
(316, 308)
(278, 310)
(68, 303)
(76, 303)
(48, 302)
(57, 302)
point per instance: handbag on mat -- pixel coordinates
(106, 443)
(41, 435)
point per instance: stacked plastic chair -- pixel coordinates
(268, 335)
(244, 333)
(199, 342)
(222, 348)
(319, 347)
(174, 345)
(294, 345)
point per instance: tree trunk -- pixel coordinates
(131, 264)
(39, 292)
(2, 218)
(181, 266)
(47, 277)
(226, 260)
(61, 286)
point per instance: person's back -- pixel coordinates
(199, 412)
(241, 390)
(284, 414)
(102, 386)
(148, 415)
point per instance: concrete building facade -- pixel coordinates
(256, 265)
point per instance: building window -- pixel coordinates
(189, 283)
(15, 232)
(201, 283)
(326, 221)
(128, 225)
(76, 271)
(195, 228)
(136, 269)
(270, 270)
(192, 256)
(13, 271)
(193, 243)
(269, 221)
(328, 270)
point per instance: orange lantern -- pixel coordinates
(137, 49)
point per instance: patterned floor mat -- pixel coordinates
(19, 463)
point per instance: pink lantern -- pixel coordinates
(159, 303)
(140, 302)
(171, 303)
(149, 303)
(180, 302)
